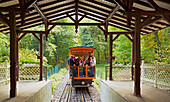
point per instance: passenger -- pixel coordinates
(93, 64)
(82, 61)
(77, 62)
(82, 65)
(71, 63)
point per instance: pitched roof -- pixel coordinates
(97, 10)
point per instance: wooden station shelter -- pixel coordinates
(136, 17)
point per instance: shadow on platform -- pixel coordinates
(122, 91)
(28, 91)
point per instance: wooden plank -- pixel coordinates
(13, 57)
(71, 18)
(112, 33)
(115, 37)
(82, 17)
(154, 13)
(51, 28)
(40, 12)
(76, 17)
(30, 3)
(37, 32)
(122, 5)
(101, 28)
(19, 38)
(129, 17)
(112, 13)
(22, 14)
(129, 37)
(3, 19)
(80, 24)
(36, 36)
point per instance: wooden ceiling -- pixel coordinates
(118, 13)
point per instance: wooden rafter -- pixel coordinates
(21, 36)
(40, 12)
(112, 13)
(82, 17)
(116, 37)
(22, 14)
(76, 12)
(157, 8)
(121, 4)
(79, 24)
(51, 28)
(30, 3)
(25, 4)
(3, 19)
(129, 17)
(36, 36)
(101, 28)
(150, 21)
(129, 37)
(71, 18)
(37, 32)
(112, 33)
(153, 13)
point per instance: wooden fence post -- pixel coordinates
(142, 71)
(6, 65)
(156, 73)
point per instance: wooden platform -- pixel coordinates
(28, 91)
(122, 91)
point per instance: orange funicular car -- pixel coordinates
(82, 66)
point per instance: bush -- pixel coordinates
(5, 58)
(56, 78)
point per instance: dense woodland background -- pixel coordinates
(56, 50)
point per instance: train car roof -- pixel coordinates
(81, 50)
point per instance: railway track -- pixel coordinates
(71, 94)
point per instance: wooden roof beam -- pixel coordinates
(157, 8)
(82, 17)
(112, 13)
(153, 13)
(37, 32)
(129, 17)
(30, 3)
(71, 18)
(76, 17)
(115, 37)
(79, 24)
(121, 4)
(40, 12)
(3, 19)
(22, 14)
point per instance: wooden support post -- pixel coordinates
(17, 56)
(41, 57)
(137, 55)
(110, 57)
(13, 51)
(132, 58)
(156, 73)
